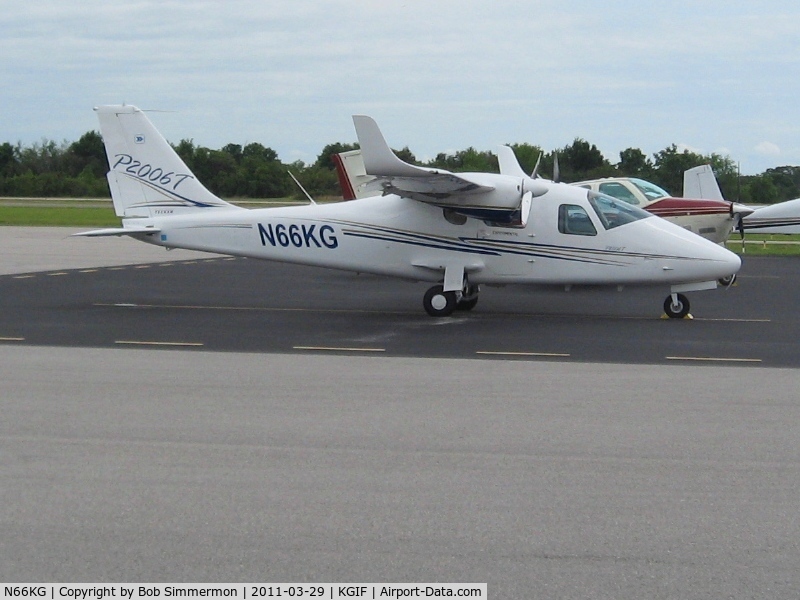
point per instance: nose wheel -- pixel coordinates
(676, 306)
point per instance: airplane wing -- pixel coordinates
(434, 186)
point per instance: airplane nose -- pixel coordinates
(733, 261)
(726, 263)
(713, 260)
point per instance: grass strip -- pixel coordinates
(58, 216)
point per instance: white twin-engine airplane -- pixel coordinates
(457, 231)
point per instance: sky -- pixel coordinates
(437, 75)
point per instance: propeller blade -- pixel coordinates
(525, 208)
(535, 173)
(556, 170)
(740, 228)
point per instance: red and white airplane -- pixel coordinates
(781, 218)
(711, 217)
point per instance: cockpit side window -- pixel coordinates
(613, 213)
(574, 220)
(619, 191)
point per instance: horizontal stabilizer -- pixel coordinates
(118, 231)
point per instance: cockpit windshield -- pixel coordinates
(650, 190)
(613, 212)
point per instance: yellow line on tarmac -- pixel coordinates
(24, 276)
(56, 274)
(147, 343)
(89, 270)
(503, 353)
(12, 339)
(338, 349)
(714, 359)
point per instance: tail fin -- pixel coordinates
(701, 183)
(147, 177)
(352, 176)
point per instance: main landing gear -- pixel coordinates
(676, 306)
(439, 303)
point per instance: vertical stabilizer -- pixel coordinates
(352, 175)
(701, 183)
(147, 177)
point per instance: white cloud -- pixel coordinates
(682, 147)
(768, 149)
(452, 74)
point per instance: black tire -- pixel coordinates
(679, 310)
(439, 303)
(467, 304)
(727, 281)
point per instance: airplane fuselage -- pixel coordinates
(457, 230)
(400, 237)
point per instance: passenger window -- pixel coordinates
(574, 220)
(619, 191)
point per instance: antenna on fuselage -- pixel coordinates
(310, 199)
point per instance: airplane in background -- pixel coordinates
(781, 218)
(711, 217)
(456, 231)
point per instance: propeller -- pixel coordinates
(535, 172)
(556, 170)
(738, 212)
(740, 227)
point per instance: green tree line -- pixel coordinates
(78, 169)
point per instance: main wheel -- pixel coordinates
(469, 299)
(439, 303)
(676, 310)
(467, 304)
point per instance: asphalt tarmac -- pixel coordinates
(385, 458)
(206, 302)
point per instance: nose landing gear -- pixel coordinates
(676, 306)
